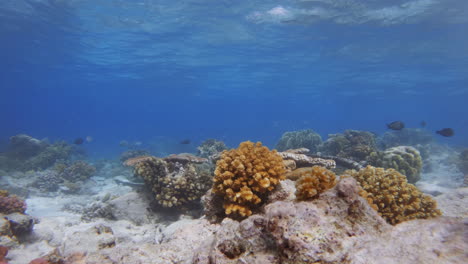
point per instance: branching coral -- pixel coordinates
(173, 183)
(243, 176)
(395, 198)
(313, 181)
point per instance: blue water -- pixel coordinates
(162, 71)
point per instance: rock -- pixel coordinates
(21, 224)
(284, 191)
(90, 240)
(338, 227)
(132, 207)
(440, 240)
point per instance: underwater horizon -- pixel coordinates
(165, 71)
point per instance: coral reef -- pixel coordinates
(337, 227)
(185, 158)
(211, 148)
(405, 137)
(404, 159)
(131, 162)
(27, 153)
(174, 183)
(312, 181)
(299, 139)
(397, 200)
(65, 177)
(301, 160)
(78, 171)
(126, 155)
(23, 146)
(46, 158)
(47, 181)
(11, 204)
(245, 175)
(352, 144)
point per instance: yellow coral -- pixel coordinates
(244, 175)
(312, 181)
(396, 199)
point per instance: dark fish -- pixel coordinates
(423, 124)
(78, 141)
(396, 125)
(446, 132)
(185, 142)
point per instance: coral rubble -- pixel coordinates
(397, 200)
(243, 177)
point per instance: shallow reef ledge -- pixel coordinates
(339, 226)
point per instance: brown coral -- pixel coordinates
(312, 181)
(174, 184)
(244, 175)
(396, 199)
(131, 162)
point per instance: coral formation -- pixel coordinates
(352, 144)
(46, 158)
(131, 162)
(126, 155)
(78, 171)
(23, 146)
(312, 181)
(27, 153)
(243, 177)
(173, 183)
(211, 148)
(405, 137)
(299, 139)
(395, 198)
(302, 160)
(185, 158)
(404, 159)
(11, 204)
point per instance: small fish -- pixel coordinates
(78, 141)
(396, 125)
(446, 132)
(185, 142)
(89, 139)
(423, 123)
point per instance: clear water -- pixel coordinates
(160, 71)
